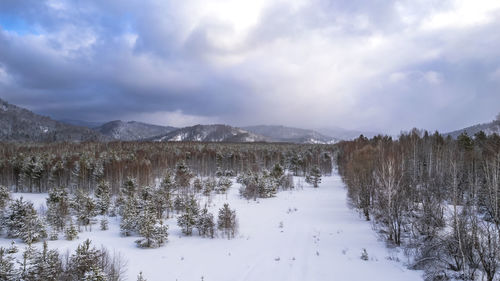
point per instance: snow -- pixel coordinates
(305, 234)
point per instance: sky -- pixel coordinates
(377, 65)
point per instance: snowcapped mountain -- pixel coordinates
(19, 124)
(130, 131)
(289, 134)
(210, 133)
(488, 128)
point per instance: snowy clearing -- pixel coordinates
(306, 234)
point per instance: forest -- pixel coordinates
(436, 197)
(143, 185)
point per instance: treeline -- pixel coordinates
(437, 197)
(38, 167)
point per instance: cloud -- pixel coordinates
(388, 65)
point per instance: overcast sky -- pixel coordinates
(373, 65)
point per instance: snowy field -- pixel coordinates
(306, 234)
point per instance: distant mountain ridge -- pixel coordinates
(132, 130)
(21, 125)
(488, 128)
(210, 133)
(279, 133)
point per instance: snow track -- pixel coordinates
(306, 234)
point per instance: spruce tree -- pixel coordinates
(314, 176)
(22, 221)
(103, 197)
(8, 270)
(130, 216)
(227, 221)
(205, 223)
(44, 265)
(189, 217)
(84, 261)
(57, 207)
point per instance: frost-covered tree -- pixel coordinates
(187, 221)
(205, 223)
(183, 176)
(4, 197)
(84, 207)
(154, 233)
(23, 222)
(71, 233)
(104, 224)
(223, 184)
(314, 176)
(84, 261)
(208, 186)
(95, 274)
(129, 187)
(8, 270)
(103, 197)
(227, 221)
(57, 207)
(43, 265)
(130, 216)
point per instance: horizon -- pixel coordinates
(379, 67)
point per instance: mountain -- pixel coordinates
(19, 124)
(210, 133)
(81, 123)
(130, 131)
(488, 128)
(344, 134)
(288, 134)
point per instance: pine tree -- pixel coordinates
(147, 222)
(84, 261)
(71, 232)
(189, 217)
(84, 207)
(22, 221)
(103, 197)
(227, 221)
(223, 184)
(314, 176)
(129, 187)
(130, 216)
(104, 224)
(95, 274)
(44, 265)
(205, 223)
(4, 197)
(8, 270)
(57, 207)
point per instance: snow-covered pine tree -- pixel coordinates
(57, 207)
(130, 215)
(8, 270)
(129, 187)
(4, 197)
(71, 232)
(43, 265)
(146, 223)
(33, 228)
(95, 274)
(183, 175)
(198, 184)
(84, 207)
(22, 221)
(227, 221)
(314, 176)
(208, 186)
(160, 233)
(205, 223)
(85, 260)
(104, 224)
(103, 197)
(189, 217)
(223, 184)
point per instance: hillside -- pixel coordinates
(21, 125)
(289, 134)
(210, 133)
(130, 131)
(488, 128)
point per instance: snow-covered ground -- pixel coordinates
(306, 234)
